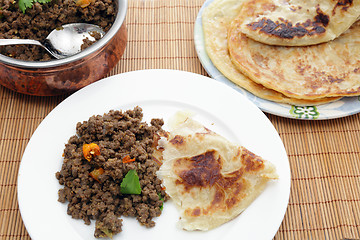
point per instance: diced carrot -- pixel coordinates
(83, 3)
(90, 150)
(127, 159)
(96, 173)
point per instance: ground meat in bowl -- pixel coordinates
(92, 180)
(37, 22)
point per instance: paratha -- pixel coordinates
(210, 179)
(215, 20)
(324, 70)
(297, 22)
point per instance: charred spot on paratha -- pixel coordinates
(251, 161)
(205, 171)
(194, 212)
(296, 22)
(321, 17)
(286, 29)
(201, 171)
(177, 140)
(344, 4)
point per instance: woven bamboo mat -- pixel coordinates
(324, 155)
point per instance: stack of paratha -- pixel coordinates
(299, 52)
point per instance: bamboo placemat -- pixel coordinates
(324, 155)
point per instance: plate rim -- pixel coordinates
(52, 113)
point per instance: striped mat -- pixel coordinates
(324, 155)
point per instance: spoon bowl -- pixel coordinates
(64, 41)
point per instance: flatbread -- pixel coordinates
(324, 70)
(297, 22)
(210, 179)
(215, 20)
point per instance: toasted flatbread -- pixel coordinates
(215, 20)
(325, 70)
(297, 22)
(210, 179)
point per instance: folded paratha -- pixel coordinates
(297, 22)
(215, 20)
(325, 70)
(210, 179)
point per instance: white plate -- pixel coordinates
(160, 93)
(344, 107)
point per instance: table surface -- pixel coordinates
(324, 155)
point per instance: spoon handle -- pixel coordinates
(19, 41)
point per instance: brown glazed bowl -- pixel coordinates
(67, 75)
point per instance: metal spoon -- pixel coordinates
(64, 41)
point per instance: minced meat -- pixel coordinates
(119, 135)
(37, 22)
